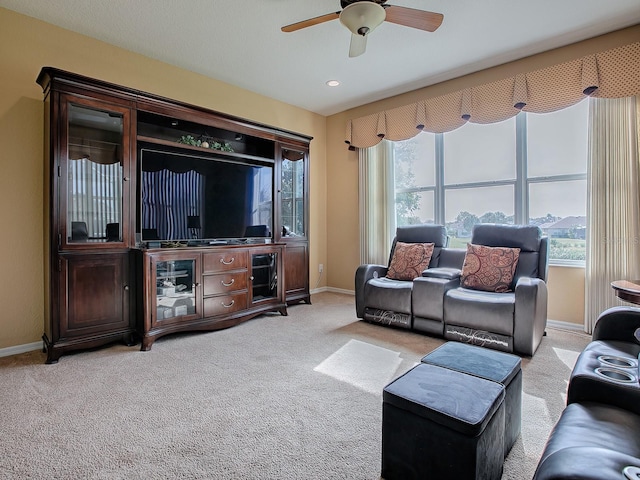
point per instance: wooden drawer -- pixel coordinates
(224, 282)
(224, 260)
(225, 304)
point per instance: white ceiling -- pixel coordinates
(240, 42)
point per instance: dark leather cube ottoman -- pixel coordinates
(500, 367)
(438, 423)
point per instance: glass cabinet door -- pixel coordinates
(264, 276)
(175, 289)
(95, 168)
(293, 193)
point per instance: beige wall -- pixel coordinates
(566, 294)
(566, 286)
(26, 45)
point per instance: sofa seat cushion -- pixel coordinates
(384, 293)
(592, 426)
(478, 310)
(587, 463)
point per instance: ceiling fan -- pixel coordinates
(361, 17)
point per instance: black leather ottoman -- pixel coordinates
(438, 423)
(500, 367)
(607, 372)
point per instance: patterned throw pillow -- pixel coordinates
(409, 260)
(489, 268)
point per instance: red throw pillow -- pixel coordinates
(410, 260)
(489, 268)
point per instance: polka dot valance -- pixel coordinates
(613, 73)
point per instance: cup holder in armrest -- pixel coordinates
(616, 375)
(619, 362)
(631, 473)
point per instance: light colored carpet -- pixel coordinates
(295, 397)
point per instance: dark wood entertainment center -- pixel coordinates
(211, 231)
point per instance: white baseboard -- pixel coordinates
(333, 290)
(15, 350)
(566, 325)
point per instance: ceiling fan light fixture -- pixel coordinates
(362, 18)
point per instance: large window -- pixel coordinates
(528, 169)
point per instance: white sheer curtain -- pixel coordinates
(377, 205)
(613, 202)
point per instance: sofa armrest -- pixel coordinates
(530, 317)
(443, 272)
(617, 323)
(364, 273)
(427, 300)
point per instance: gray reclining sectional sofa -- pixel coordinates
(436, 304)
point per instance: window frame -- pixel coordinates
(520, 183)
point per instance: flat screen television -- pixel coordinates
(186, 197)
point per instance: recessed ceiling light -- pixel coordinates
(333, 83)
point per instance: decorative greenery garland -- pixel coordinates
(205, 142)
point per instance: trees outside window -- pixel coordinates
(414, 179)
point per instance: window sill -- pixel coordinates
(567, 263)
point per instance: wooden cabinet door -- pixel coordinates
(296, 269)
(93, 171)
(266, 275)
(292, 217)
(173, 289)
(94, 294)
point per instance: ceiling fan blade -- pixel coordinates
(411, 17)
(312, 21)
(358, 45)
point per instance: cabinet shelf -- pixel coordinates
(209, 151)
(260, 298)
(160, 276)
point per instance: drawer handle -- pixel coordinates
(233, 280)
(228, 306)
(227, 263)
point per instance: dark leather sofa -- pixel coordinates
(598, 433)
(436, 304)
